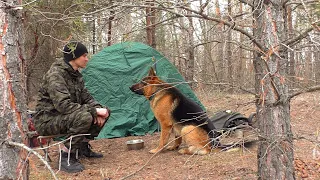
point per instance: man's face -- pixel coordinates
(81, 62)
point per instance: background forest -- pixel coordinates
(205, 40)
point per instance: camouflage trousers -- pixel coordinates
(78, 122)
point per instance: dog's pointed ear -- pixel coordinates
(152, 72)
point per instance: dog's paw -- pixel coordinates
(153, 151)
(171, 148)
(184, 151)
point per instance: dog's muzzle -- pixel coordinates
(136, 90)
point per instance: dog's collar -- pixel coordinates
(153, 94)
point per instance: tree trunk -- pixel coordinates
(275, 152)
(183, 44)
(209, 72)
(176, 44)
(190, 52)
(291, 63)
(110, 24)
(94, 35)
(150, 22)
(229, 52)
(94, 31)
(317, 63)
(242, 60)
(308, 66)
(220, 53)
(13, 162)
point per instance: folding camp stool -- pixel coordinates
(49, 140)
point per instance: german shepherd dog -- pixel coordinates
(176, 112)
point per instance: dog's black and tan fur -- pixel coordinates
(176, 112)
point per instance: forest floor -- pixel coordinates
(240, 163)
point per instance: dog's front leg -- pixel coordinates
(177, 143)
(164, 137)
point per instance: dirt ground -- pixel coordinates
(236, 164)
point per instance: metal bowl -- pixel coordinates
(135, 144)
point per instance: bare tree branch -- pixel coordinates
(203, 6)
(298, 38)
(201, 15)
(232, 25)
(246, 2)
(285, 3)
(311, 89)
(299, 137)
(35, 153)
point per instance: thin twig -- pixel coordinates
(60, 142)
(24, 162)
(35, 153)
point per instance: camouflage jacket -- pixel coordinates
(63, 91)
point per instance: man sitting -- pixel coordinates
(65, 106)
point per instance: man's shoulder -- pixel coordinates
(56, 70)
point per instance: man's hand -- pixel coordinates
(100, 121)
(103, 112)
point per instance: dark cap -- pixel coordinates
(73, 50)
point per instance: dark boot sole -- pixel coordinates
(71, 170)
(92, 157)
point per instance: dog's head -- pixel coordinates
(148, 85)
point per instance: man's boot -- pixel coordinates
(73, 166)
(86, 151)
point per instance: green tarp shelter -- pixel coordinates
(111, 72)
